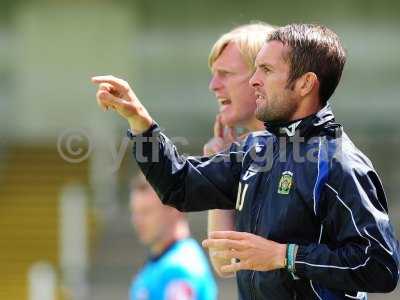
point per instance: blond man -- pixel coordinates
(231, 62)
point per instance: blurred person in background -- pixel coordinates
(231, 61)
(177, 268)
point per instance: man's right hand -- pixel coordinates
(223, 137)
(116, 94)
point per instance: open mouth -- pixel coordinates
(224, 101)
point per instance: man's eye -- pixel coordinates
(266, 70)
(224, 73)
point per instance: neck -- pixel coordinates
(305, 127)
(307, 107)
(254, 125)
(177, 232)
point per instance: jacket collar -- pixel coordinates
(306, 127)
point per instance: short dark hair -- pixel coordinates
(313, 48)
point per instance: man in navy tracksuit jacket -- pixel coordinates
(312, 217)
(335, 209)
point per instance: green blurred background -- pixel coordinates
(50, 49)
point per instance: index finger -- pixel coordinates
(223, 244)
(218, 127)
(232, 235)
(117, 83)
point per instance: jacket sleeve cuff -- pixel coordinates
(153, 130)
(300, 268)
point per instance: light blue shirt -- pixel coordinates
(181, 272)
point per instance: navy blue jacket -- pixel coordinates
(303, 183)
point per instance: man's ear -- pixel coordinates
(307, 83)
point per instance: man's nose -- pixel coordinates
(215, 84)
(255, 80)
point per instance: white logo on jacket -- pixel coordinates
(291, 129)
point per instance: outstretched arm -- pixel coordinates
(186, 183)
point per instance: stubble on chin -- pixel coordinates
(260, 114)
(279, 112)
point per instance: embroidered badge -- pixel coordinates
(285, 183)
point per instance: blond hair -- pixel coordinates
(249, 39)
